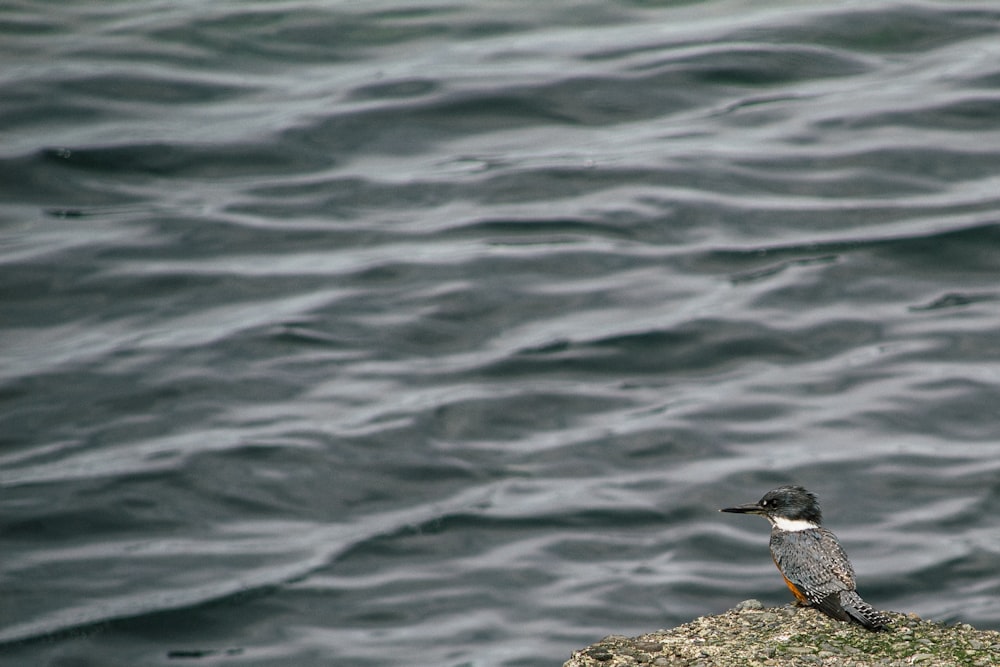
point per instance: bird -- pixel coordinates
(810, 558)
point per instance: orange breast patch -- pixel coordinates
(795, 591)
(792, 587)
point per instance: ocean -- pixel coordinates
(411, 332)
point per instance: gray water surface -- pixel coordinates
(385, 332)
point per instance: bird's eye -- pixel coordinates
(764, 503)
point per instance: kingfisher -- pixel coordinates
(810, 558)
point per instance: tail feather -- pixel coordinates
(832, 607)
(863, 613)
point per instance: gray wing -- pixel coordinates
(813, 561)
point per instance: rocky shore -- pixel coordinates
(757, 637)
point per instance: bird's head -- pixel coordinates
(787, 507)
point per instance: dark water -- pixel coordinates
(399, 332)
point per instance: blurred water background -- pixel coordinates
(434, 332)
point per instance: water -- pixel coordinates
(384, 332)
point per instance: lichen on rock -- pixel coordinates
(757, 637)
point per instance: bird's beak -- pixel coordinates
(749, 508)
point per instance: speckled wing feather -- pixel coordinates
(815, 563)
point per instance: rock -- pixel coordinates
(749, 604)
(753, 635)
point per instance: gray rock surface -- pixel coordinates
(754, 636)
